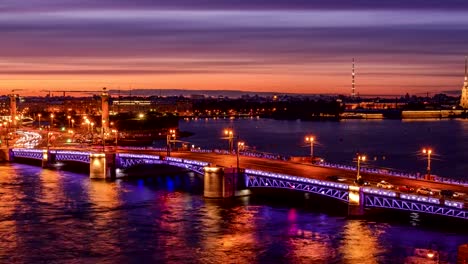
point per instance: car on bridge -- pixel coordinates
(425, 191)
(405, 188)
(335, 178)
(447, 193)
(362, 182)
(451, 194)
(384, 185)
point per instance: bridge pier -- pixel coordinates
(5, 154)
(45, 158)
(356, 201)
(102, 165)
(223, 183)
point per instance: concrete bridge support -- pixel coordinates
(356, 201)
(102, 165)
(5, 154)
(97, 166)
(223, 183)
(45, 158)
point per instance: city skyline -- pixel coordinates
(264, 46)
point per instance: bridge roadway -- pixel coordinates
(302, 169)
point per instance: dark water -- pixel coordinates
(61, 217)
(387, 143)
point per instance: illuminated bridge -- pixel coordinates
(222, 180)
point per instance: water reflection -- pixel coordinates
(9, 201)
(361, 243)
(307, 244)
(60, 217)
(230, 237)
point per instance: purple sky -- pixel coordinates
(283, 46)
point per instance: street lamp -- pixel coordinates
(52, 120)
(359, 159)
(69, 121)
(116, 136)
(39, 116)
(230, 137)
(428, 152)
(171, 133)
(310, 139)
(73, 123)
(240, 146)
(88, 122)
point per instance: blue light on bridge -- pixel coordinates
(138, 156)
(195, 162)
(419, 198)
(174, 159)
(379, 192)
(297, 179)
(454, 204)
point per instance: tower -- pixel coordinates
(105, 110)
(13, 109)
(464, 95)
(353, 90)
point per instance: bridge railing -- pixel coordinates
(392, 173)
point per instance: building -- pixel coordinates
(464, 95)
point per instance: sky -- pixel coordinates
(292, 46)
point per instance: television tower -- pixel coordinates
(353, 89)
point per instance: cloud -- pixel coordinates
(421, 40)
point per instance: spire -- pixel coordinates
(353, 91)
(466, 71)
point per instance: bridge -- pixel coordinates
(222, 179)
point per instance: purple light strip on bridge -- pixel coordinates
(298, 179)
(137, 156)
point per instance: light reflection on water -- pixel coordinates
(56, 217)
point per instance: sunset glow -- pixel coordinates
(270, 46)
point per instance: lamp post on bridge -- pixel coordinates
(359, 159)
(428, 152)
(310, 139)
(240, 146)
(229, 133)
(170, 133)
(39, 117)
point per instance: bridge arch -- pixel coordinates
(128, 160)
(261, 179)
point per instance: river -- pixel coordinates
(395, 144)
(49, 216)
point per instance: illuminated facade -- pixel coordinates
(464, 95)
